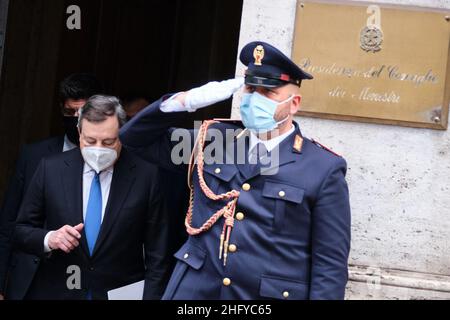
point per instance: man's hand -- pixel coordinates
(2, 297)
(66, 238)
(209, 94)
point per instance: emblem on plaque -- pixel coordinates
(371, 39)
(371, 36)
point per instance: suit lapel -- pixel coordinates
(72, 180)
(122, 180)
(57, 146)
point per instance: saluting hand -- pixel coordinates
(209, 94)
(66, 238)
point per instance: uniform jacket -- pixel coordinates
(292, 240)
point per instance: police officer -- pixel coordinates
(274, 223)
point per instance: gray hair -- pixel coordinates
(99, 107)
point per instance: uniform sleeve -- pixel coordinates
(150, 135)
(331, 236)
(149, 125)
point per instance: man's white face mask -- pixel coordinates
(99, 158)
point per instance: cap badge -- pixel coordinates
(258, 54)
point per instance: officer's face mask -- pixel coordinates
(71, 130)
(99, 158)
(257, 112)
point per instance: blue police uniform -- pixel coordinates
(291, 233)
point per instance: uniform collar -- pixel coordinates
(269, 144)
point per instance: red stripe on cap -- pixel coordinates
(285, 77)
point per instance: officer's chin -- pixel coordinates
(262, 134)
(269, 134)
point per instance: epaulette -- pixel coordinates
(324, 147)
(298, 144)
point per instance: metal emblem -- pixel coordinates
(298, 144)
(371, 39)
(258, 54)
(371, 36)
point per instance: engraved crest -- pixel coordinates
(371, 36)
(371, 39)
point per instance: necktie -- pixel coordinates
(256, 158)
(93, 218)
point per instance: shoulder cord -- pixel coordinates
(227, 211)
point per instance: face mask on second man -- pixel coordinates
(70, 119)
(71, 130)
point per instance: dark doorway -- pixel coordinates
(3, 16)
(133, 46)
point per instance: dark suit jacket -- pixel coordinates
(133, 238)
(16, 268)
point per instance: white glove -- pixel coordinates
(211, 93)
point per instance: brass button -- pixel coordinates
(246, 187)
(186, 256)
(217, 171)
(226, 282)
(282, 194)
(240, 216)
(286, 294)
(232, 248)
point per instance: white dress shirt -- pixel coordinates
(68, 145)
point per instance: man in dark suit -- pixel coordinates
(96, 210)
(269, 216)
(17, 268)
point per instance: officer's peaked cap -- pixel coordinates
(269, 67)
